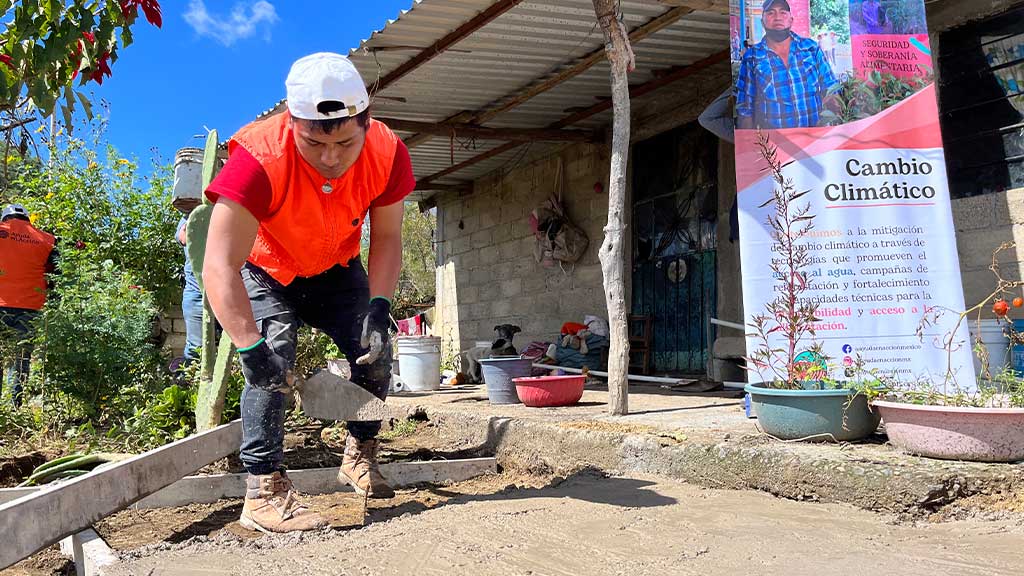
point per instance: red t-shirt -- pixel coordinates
(244, 181)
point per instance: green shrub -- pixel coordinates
(96, 336)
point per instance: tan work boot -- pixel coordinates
(359, 468)
(271, 506)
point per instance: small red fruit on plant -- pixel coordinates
(1000, 308)
(1018, 302)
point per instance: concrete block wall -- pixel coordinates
(983, 223)
(172, 325)
(487, 273)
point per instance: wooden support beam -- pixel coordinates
(463, 187)
(673, 75)
(586, 63)
(417, 139)
(424, 184)
(38, 520)
(582, 65)
(446, 42)
(668, 77)
(718, 6)
(612, 252)
(484, 133)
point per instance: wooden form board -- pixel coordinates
(92, 555)
(206, 489)
(35, 521)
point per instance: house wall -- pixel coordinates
(983, 222)
(487, 272)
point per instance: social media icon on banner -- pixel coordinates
(847, 348)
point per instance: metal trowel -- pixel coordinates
(331, 397)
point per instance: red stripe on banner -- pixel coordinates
(911, 124)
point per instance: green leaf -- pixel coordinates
(86, 105)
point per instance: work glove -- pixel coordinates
(375, 330)
(265, 369)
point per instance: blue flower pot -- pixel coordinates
(813, 413)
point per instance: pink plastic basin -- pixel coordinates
(546, 391)
(973, 434)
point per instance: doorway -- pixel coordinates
(675, 206)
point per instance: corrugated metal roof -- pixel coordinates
(532, 41)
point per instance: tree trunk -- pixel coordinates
(613, 257)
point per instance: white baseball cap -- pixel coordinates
(325, 77)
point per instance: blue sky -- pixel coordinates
(220, 63)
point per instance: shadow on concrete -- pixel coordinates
(589, 485)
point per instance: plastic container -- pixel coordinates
(997, 342)
(419, 361)
(813, 414)
(547, 391)
(949, 433)
(499, 374)
(1017, 351)
(188, 179)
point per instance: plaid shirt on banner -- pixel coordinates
(781, 96)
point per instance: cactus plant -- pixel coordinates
(216, 358)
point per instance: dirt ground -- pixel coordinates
(308, 446)
(517, 523)
(592, 524)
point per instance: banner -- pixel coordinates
(850, 108)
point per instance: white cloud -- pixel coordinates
(243, 21)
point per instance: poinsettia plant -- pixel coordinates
(50, 47)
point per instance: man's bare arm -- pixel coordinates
(385, 263)
(228, 243)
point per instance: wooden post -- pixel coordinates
(612, 255)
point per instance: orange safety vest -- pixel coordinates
(24, 251)
(309, 231)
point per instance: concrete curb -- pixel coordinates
(89, 552)
(875, 478)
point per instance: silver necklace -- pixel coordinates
(327, 188)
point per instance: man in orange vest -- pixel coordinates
(26, 256)
(289, 208)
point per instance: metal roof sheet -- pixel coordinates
(530, 42)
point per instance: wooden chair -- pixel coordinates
(640, 332)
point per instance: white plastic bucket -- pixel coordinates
(188, 178)
(996, 341)
(419, 360)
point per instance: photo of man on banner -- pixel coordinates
(858, 134)
(785, 79)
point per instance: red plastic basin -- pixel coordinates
(545, 391)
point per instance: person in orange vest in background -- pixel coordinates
(289, 208)
(27, 255)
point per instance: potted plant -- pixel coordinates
(798, 399)
(954, 421)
